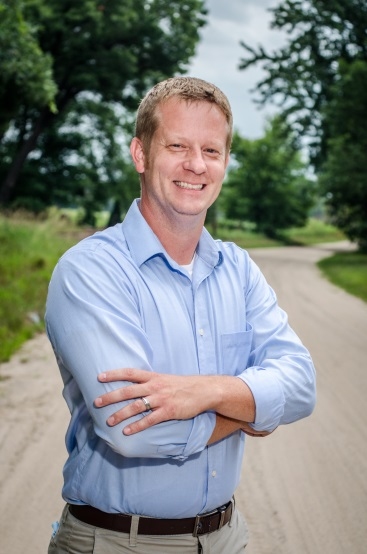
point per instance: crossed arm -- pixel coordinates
(177, 397)
(85, 327)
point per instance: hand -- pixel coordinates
(246, 428)
(170, 396)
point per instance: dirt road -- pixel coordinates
(304, 488)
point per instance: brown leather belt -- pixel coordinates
(199, 525)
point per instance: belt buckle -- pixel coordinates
(221, 510)
(197, 526)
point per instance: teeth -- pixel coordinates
(189, 186)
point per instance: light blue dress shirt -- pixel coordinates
(116, 300)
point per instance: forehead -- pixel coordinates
(177, 115)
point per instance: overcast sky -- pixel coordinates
(219, 53)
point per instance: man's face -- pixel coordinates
(187, 160)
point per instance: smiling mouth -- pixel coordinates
(189, 186)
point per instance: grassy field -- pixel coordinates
(347, 270)
(29, 250)
(313, 233)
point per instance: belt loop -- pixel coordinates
(230, 523)
(222, 516)
(134, 530)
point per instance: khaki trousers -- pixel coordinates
(76, 537)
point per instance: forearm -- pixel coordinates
(233, 399)
(224, 427)
(175, 397)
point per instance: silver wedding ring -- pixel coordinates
(146, 403)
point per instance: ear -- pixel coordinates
(137, 154)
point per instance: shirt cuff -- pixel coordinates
(202, 429)
(268, 396)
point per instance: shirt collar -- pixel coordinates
(144, 244)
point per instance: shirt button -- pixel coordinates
(201, 332)
(214, 473)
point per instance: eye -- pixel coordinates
(212, 152)
(176, 146)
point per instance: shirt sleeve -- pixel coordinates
(93, 323)
(280, 371)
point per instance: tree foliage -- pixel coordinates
(105, 50)
(269, 186)
(300, 75)
(26, 71)
(82, 160)
(344, 175)
(318, 79)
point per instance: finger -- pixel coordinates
(125, 374)
(144, 423)
(120, 395)
(134, 408)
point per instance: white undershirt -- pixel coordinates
(190, 267)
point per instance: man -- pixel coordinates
(200, 352)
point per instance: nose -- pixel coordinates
(195, 162)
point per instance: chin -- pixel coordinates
(191, 209)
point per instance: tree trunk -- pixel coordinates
(26, 147)
(43, 121)
(115, 214)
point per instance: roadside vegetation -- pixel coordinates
(347, 270)
(245, 235)
(30, 248)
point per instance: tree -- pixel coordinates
(268, 186)
(299, 77)
(26, 71)
(111, 49)
(344, 174)
(83, 161)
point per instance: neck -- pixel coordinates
(179, 237)
(181, 249)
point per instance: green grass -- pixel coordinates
(347, 270)
(244, 238)
(314, 232)
(29, 250)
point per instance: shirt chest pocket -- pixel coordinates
(235, 351)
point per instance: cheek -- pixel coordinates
(218, 174)
(217, 191)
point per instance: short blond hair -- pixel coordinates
(190, 89)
